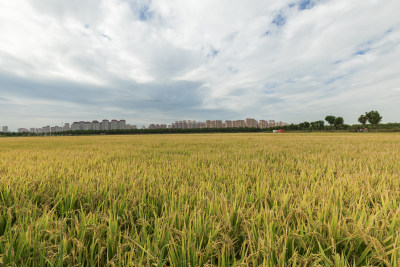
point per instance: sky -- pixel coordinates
(157, 61)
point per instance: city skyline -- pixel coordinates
(155, 61)
(114, 124)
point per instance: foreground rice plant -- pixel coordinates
(201, 200)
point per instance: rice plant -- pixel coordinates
(201, 200)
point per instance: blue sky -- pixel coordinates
(158, 61)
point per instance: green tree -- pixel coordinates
(338, 122)
(321, 124)
(363, 120)
(304, 125)
(314, 125)
(330, 119)
(374, 118)
(317, 125)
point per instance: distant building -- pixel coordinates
(121, 125)
(66, 127)
(228, 124)
(81, 125)
(251, 123)
(5, 129)
(114, 125)
(87, 126)
(75, 126)
(239, 124)
(271, 123)
(129, 126)
(263, 124)
(95, 125)
(105, 125)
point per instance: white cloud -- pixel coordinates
(338, 57)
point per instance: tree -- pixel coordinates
(314, 125)
(363, 120)
(338, 122)
(304, 125)
(317, 125)
(330, 119)
(321, 124)
(374, 118)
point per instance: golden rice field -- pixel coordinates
(201, 200)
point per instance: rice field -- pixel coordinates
(201, 200)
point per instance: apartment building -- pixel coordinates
(129, 126)
(95, 125)
(271, 123)
(228, 124)
(67, 127)
(263, 124)
(251, 123)
(114, 125)
(121, 124)
(189, 124)
(239, 124)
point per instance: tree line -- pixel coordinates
(372, 118)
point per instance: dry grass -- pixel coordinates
(201, 200)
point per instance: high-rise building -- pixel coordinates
(262, 124)
(121, 125)
(66, 127)
(239, 124)
(95, 125)
(75, 126)
(228, 124)
(81, 125)
(5, 129)
(251, 123)
(129, 126)
(105, 125)
(271, 123)
(114, 125)
(87, 126)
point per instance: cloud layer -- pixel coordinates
(158, 61)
